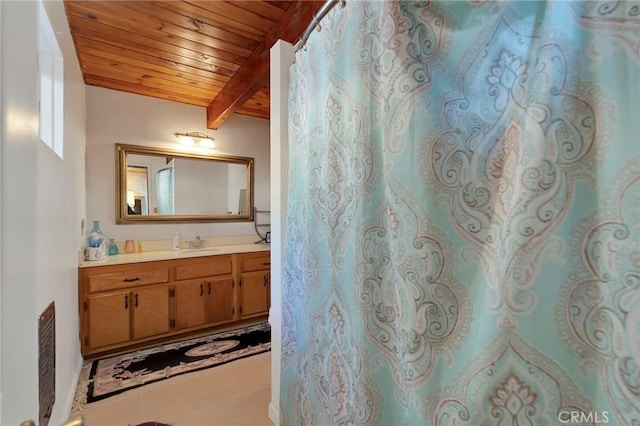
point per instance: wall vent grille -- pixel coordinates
(47, 362)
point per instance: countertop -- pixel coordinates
(151, 256)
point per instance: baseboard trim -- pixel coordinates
(68, 403)
(274, 413)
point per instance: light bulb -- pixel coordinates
(186, 140)
(207, 143)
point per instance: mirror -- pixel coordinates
(159, 185)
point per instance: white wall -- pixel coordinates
(118, 117)
(42, 199)
(237, 178)
(193, 189)
(1, 139)
(282, 55)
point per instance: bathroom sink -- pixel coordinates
(201, 250)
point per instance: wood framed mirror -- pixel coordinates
(160, 185)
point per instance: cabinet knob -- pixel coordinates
(130, 280)
(209, 288)
(126, 301)
(136, 302)
(201, 289)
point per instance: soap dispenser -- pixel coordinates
(176, 242)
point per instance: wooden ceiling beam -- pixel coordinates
(253, 75)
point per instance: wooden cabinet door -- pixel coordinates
(189, 304)
(109, 318)
(219, 305)
(254, 290)
(150, 311)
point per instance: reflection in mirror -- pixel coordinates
(162, 185)
(137, 187)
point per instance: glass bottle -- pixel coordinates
(113, 247)
(129, 247)
(96, 238)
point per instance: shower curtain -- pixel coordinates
(462, 243)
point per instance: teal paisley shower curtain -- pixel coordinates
(463, 229)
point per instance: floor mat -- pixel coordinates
(110, 376)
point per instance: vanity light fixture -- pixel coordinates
(195, 138)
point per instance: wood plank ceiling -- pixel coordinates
(208, 53)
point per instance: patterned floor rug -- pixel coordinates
(100, 379)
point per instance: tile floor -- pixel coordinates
(234, 394)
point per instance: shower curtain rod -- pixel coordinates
(326, 7)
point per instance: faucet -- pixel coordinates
(197, 243)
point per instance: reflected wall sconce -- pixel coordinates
(195, 138)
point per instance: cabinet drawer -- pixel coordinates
(127, 278)
(203, 267)
(255, 261)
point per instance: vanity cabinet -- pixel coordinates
(204, 292)
(108, 319)
(123, 304)
(255, 284)
(189, 304)
(219, 302)
(123, 307)
(150, 311)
